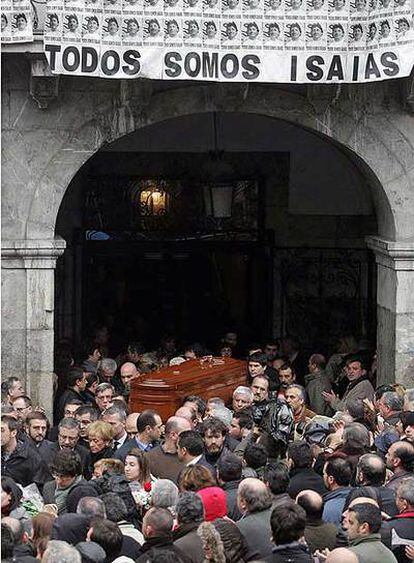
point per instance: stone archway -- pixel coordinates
(381, 142)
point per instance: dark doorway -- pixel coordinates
(193, 291)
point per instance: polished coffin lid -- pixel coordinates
(164, 390)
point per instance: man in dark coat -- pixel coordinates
(76, 383)
(190, 514)
(276, 478)
(157, 529)
(318, 534)
(288, 527)
(68, 438)
(255, 503)
(19, 460)
(302, 475)
(229, 473)
(371, 471)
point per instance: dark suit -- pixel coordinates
(256, 530)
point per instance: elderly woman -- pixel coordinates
(100, 437)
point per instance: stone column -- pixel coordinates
(27, 314)
(395, 310)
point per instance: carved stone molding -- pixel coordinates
(44, 86)
(394, 255)
(29, 254)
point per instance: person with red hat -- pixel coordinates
(214, 502)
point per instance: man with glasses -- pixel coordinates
(68, 438)
(23, 406)
(68, 486)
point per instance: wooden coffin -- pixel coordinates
(164, 390)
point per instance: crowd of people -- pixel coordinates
(312, 461)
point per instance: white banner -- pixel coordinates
(288, 41)
(16, 21)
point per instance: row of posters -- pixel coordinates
(151, 38)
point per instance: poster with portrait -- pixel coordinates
(286, 41)
(16, 21)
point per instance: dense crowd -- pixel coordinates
(311, 461)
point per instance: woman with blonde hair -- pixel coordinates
(100, 437)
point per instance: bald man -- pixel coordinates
(131, 424)
(255, 503)
(163, 460)
(189, 414)
(342, 555)
(318, 534)
(128, 372)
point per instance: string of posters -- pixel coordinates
(285, 41)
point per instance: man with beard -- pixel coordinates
(37, 426)
(214, 432)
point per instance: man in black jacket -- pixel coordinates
(76, 383)
(229, 473)
(157, 529)
(19, 459)
(37, 426)
(288, 527)
(371, 471)
(68, 437)
(190, 514)
(302, 475)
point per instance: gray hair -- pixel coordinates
(102, 387)
(91, 507)
(356, 435)
(222, 413)
(61, 552)
(344, 417)
(300, 388)
(190, 508)
(392, 400)
(69, 423)
(406, 490)
(255, 494)
(120, 412)
(164, 494)
(242, 390)
(109, 364)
